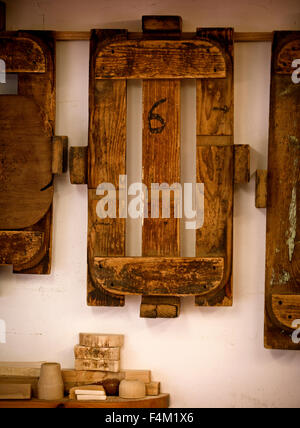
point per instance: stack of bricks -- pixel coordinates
(98, 352)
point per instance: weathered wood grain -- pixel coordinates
(161, 162)
(261, 189)
(241, 164)
(160, 59)
(215, 166)
(283, 230)
(106, 161)
(78, 164)
(74, 378)
(98, 340)
(286, 309)
(159, 275)
(162, 24)
(15, 391)
(101, 365)
(28, 56)
(93, 353)
(19, 247)
(160, 307)
(59, 155)
(27, 126)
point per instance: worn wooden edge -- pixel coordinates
(278, 338)
(59, 155)
(286, 48)
(161, 401)
(160, 307)
(241, 163)
(125, 59)
(238, 37)
(158, 276)
(161, 24)
(286, 309)
(221, 297)
(19, 247)
(78, 163)
(261, 189)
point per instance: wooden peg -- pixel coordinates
(241, 164)
(261, 191)
(59, 155)
(160, 307)
(2, 16)
(78, 165)
(162, 24)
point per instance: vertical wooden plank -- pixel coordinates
(161, 161)
(161, 164)
(215, 164)
(283, 196)
(107, 160)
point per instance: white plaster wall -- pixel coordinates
(207, 357)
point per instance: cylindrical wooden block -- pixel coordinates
(132, 389)
(51, 385)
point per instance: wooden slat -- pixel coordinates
(283, 227)
(160, 59)
(106, 161)
(261, 189)
(161, 161)
(159, 275)
(19, 247)
(161, 164)
(215, 165)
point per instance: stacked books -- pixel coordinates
(88, 393)
(98, 352)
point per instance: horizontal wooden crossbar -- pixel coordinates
(64, 36)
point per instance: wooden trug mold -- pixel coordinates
(161, 56)
(278, 190)
(30, 155)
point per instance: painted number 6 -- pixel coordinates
(154, 116)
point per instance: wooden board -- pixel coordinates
(161, 401)
(159, 275)
(161, 56)
(15, 391)
(171, 59)
(27, 125)
(98, 365)
(283, 198)
(92, 353)
(98, 340)
(215, 167)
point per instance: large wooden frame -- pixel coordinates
(278, 189)
(161, 56)
(29, 153)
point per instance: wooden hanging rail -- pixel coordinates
(64, 36)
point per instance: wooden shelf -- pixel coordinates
(161, 401)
